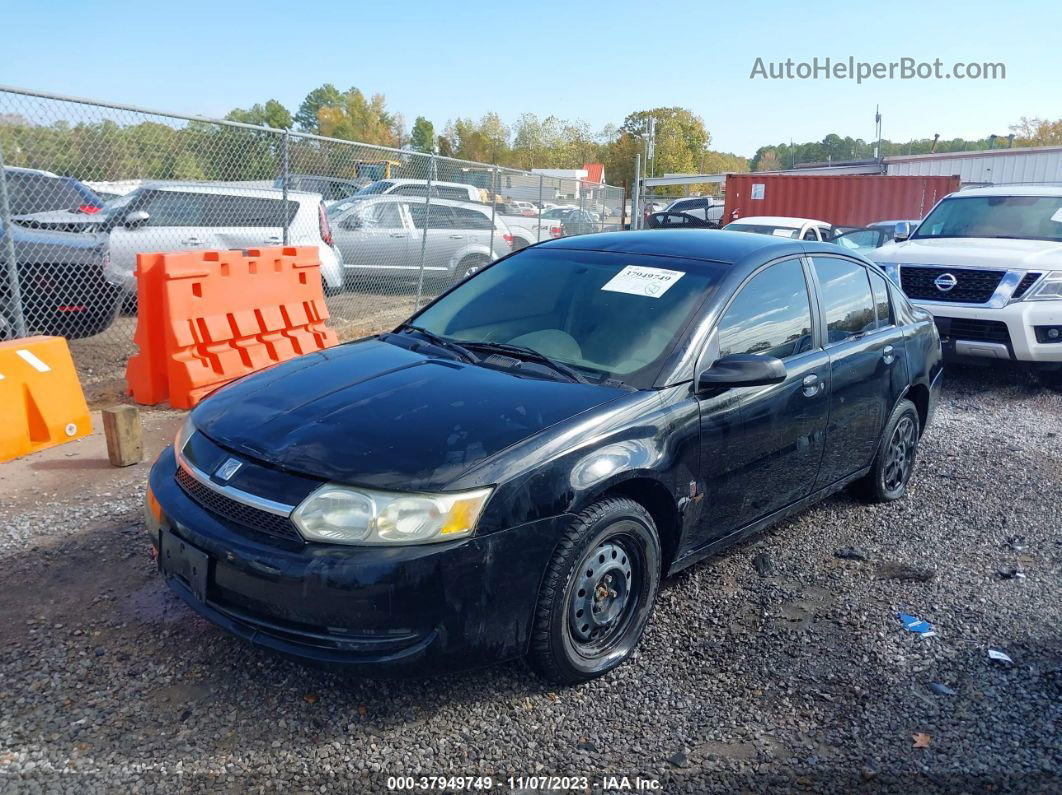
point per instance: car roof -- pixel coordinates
(710, 245)
(230, 190)
(380, 198)
(40, 172)
(413, 181)
(1012, 190)
(779, 220)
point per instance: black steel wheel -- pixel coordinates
(598, 592)
(895, 459)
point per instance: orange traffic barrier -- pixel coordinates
(207, 317)
(41, 400)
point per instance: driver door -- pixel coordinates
(374, 236)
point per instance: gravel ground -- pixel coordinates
(801, 679)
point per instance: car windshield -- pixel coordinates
(606, 315)
(380, 186)
(763, 229)
(1025, 217)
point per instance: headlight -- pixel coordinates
(343, 515)
(1050, 289)
(184, 433)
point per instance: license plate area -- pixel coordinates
(180, 560)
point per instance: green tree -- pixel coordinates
(422, 137)
(326, 96)
(359, 119)
(272, 114)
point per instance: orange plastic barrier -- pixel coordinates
(41, 401)
(207, 317)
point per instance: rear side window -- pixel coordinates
(439, 216)
(412, 190)
(224, 210)
(882, 306)
(771, 314)
(173, 208)
(453, 193)
(36, 193)
(846, 298)
(470, 219)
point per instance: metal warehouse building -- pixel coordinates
(992, 167)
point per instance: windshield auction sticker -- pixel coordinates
(646, 282)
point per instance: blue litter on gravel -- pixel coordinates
(916, 625)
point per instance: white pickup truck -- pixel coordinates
(987, 263)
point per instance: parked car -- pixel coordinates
(987, 263)
(176, 216)
(704, 207)
(669, 219)
(384, 234)
(893, 229)
(859, 239)
(332, 189)
(457, 191)
(62, 283)
(781, 226)
(30, 190)
(513, 470)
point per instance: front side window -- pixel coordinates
(770, 315)
(846, 298)
(384, 215)
(1025, 217)
(175, 208)
(608, 315)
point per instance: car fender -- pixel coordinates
(469, 250)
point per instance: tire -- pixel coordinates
(469, 266)
(894, 463)
(597, 594)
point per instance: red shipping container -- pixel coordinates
(842, 200)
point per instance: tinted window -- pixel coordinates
(470, 219)
(224, 210)
(846, 298)
(413, 190)
(771, 314)
(173, 208)
(881, 299)
(35, 193)
(453, 193)
(440, 216)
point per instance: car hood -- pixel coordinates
(973, 252)
(375, 414)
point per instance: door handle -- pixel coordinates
(273, 239)
(397, 234)
(457, 237)
(811, 385)
(888, 354)
(190, 241)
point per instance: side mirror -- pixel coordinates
(902, 232)
(135, 219)
(742, 369)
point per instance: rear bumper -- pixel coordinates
(402, 611)
(1008, 333)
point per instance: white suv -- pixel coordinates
(987, 263)
(168, 216)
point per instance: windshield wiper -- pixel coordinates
(441, 342)
(521, 352)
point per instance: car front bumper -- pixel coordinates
(974, 331)
(394, 611)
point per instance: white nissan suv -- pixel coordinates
(987, 263)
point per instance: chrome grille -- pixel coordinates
(252, 518)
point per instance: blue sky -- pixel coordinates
(594, 61)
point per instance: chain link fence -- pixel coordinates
(85, 186)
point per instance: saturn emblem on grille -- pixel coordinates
(945, 282)
(227, 469)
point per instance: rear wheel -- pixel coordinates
(470, 266)
(894, 462)
(598, 593)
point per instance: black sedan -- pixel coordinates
(512, 471)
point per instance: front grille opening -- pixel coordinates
(1027, 281)
(971, 286)
(270, 524)
(974, 330)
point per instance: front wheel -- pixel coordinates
(894, 462)
(470, 266)
(598, 592)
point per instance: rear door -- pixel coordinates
(475, 226)
(761, 446)
(444, 238)
(868, 364)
